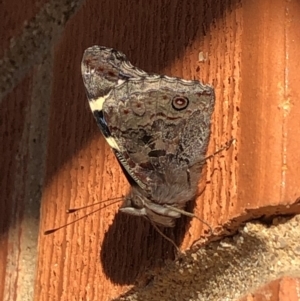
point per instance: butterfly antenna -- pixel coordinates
(72, 210)
(50, 231)
(164, 236)
(225, 147)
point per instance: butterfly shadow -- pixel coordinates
(132, 246)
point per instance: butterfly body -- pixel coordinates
(157, 126)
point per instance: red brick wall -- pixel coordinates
(53, 153)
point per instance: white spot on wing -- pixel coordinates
(97, 104)
(112, 143)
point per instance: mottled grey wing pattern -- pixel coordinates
(157, 126)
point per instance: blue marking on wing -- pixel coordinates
(102, 123)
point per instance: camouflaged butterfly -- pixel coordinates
(157, 126)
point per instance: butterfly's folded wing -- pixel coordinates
(157, 126)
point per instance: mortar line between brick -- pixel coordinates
(32, 45)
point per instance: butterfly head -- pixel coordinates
(138, 203)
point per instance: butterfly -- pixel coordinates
(158, 128)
